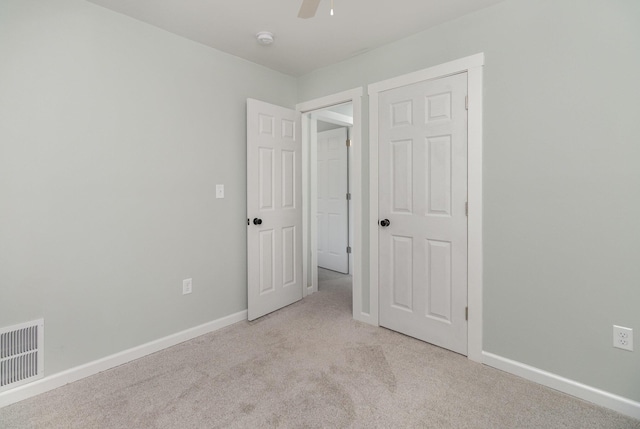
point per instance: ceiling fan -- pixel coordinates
(309, 8)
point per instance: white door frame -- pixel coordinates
(309, 225)
(473, 65)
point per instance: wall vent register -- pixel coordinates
(21, 354)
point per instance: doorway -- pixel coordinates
(331, 110)
(332, 186)
(281, 233)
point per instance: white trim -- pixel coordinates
(473, 65)
(307, 289)
(441, 70)
(350, 95)
(313, 200)
(333, 118)
(309, 203)
(373, 206)
(597, 396)
(354, 96)
(74, 374)
(474, 219)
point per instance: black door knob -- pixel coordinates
(257, 221)
(385, 223)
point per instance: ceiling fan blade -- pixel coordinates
(308, 9)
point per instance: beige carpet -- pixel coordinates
(307, 366)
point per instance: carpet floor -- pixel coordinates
(309, 365)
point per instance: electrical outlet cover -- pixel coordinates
(623, 338)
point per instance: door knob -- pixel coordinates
(257, 221)
(385, 223)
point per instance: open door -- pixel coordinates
(274, 208)
(333, 200)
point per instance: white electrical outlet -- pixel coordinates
(186, 286)
(623, 338)
(219, 191)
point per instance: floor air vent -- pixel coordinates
(21, 354)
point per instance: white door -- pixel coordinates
(333, 231)
(422, 211)
(274, 208)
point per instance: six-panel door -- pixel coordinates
(333, 220)
(423, 194)
(274, 208)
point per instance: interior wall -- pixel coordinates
(561, 177)
(113, 136)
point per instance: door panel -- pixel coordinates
(422, 192)
(438, 279)
(333, 231)
(438, 164)
(288, 179)
(266, 178)
(402, 262)
(274, 201)
(289, 256)
(401, 176)
(266, 261)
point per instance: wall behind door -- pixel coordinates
(561, 176)
(113, 135)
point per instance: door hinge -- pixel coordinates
(348, 195)
(348, 142)
(466, 313)
(466, 208)
(348, 249)
(466, 102)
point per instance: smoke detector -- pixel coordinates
(265, 38)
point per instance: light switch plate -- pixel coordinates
(219, 191)
(187, 285)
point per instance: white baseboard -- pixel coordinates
(599, 397)
(65, 377)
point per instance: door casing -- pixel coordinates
(309, 226)
(473, 65)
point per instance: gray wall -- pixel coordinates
(113, 135)
(561, 174)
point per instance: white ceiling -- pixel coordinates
(301, 45)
